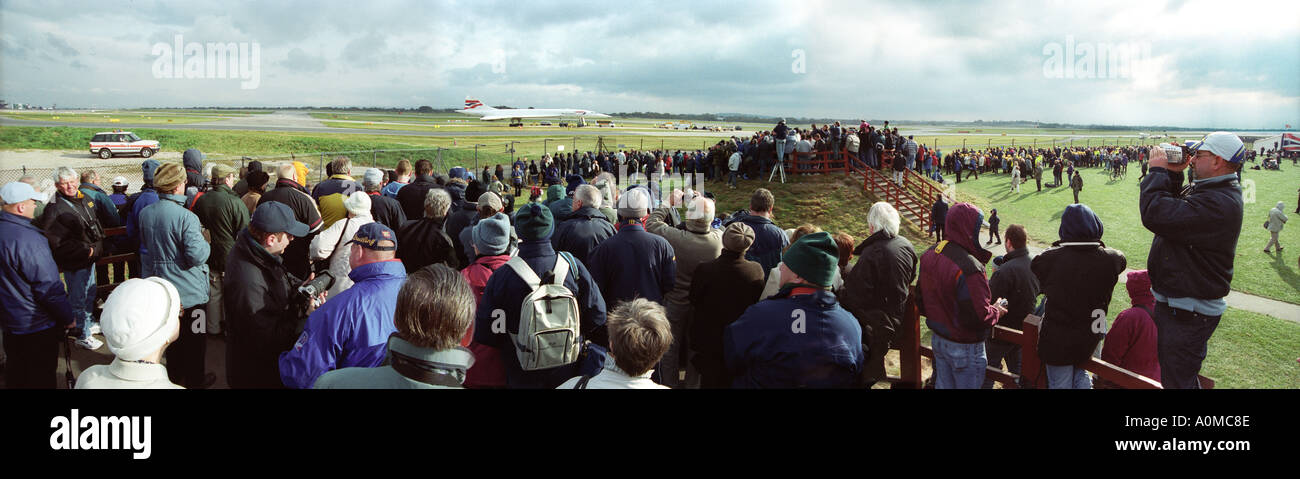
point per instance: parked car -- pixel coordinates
(109, 143)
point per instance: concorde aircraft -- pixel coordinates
(516, 115)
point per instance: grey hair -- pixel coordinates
(883, 217)
(436, 203)
(64, 172)
(287, 172)
(588, 195)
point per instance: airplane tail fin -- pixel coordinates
(471, 104)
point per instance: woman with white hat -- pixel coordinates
(329, 244)
(140, 319)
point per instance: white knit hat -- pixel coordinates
(358, 204)
(140, 316)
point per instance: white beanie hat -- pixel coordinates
(358, 204)
(140, 316)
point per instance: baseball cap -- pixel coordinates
(634, 204)
(370, 234)
(275, 217)
(1226, 145)
(17, 192)
(373, 177)
(220, 171)
(119, 181)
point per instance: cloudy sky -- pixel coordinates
(1193, 63)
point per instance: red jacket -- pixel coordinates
(955, 297)
(488, 371)
(1131, 342)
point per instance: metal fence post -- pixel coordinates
(374, 158)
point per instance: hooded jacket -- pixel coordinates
(955, 293)
(32, 296)
(349, 330)
(579, 235)
(1131, 343)
(1078, 275)
(489, 370)
(177, 251)
(192, 159)
(696, 244)
(1196, 233)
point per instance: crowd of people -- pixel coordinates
(412, 278)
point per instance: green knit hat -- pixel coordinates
(555, 193)
(533, 222)
(815, 258)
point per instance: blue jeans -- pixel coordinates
(958, 365)
(780, 151)
(1181, 342)
(996, 351)
(81, 296)
(732, 180)
(1067, 377)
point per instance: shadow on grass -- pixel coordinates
(1284, 270)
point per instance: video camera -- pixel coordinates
(1175, 154)
(323, 281)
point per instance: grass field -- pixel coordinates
(122, 117)
(1116, 204)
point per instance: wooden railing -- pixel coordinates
(893, 194)
(818, 162)
(1032, 375)
(104, 286)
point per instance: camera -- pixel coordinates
(323, 281)
(1173, 153)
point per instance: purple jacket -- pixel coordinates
(955, 294)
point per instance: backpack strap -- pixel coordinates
(525, 272)
(582, 383)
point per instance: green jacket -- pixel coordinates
(224, 215)
(104, 207)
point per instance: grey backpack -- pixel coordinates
(548, 318)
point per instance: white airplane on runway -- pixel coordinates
(516, 115)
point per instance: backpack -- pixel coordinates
(548, 334)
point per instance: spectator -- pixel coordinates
(261, 298)
(639, 335)
(1076, 184)
(76, 241)
(36, 305)
(633, 263)
(505, 292)
(105, 208)
(993, 227)
(224, 215)
(329, 194)
(177, 253)
(352, 328)
(563, 207)
(586, 228)
(460, 219)
(412, 200)
(769, 240)
(1015, 281)
(423, 242)
(489, 205)
(1196, 232)
(1276, 220)
(491, 239)
(1131, 342)
(1078, 275)
(955, 301)
(194, 182)
(256, 188)
(383, 209)
(774, 279)
(697, 244)
(328, 245)
(608, 186)
(119, 196)
(1015, 179)
(721, 290)
(287, 191)
(1038, 175)
(876, 288)
(801, 337)
(434, 309)
(397, 182)
(938, 217)
(145, 197)
(140, 319)
(241, 188)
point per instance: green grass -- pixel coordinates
(124, 118)
(1116, 203)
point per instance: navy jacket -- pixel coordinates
(387, 211)
(769, 241)
(1196, 233)
(634, 264)
(505, 292)
(582, 232)
(32, 298)
(411, 196)
(804, 341)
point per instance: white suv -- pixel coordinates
(109, 143)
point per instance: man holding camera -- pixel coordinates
(1196, 230)
(263, 307)
(76, 240)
